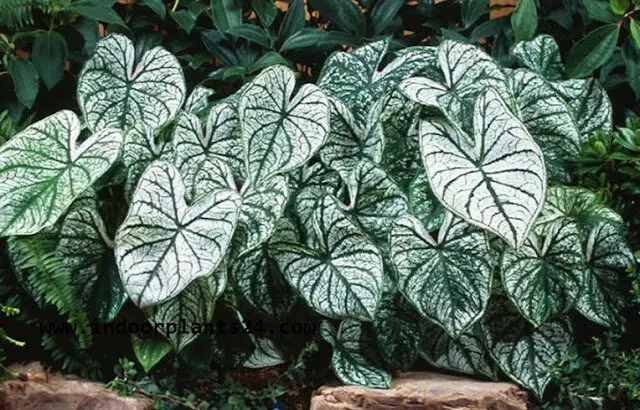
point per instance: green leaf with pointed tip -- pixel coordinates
(141, 148)
(198, 100)
(86, 253)
(348, 361)
(262, 207)
(266, 354)
(541, 55)
(258, 278)
(398, 331)
(526, 355)
(466, 354)
(593, 50)
(113, 92)
(341, 279)
(164, 244)
(468, 72)
(355, 78)
(43, 170)
(424, 205)
(497, 183)
(608, 259)
(351, 141)
(544, 276)
(194, 307)
(549, 120)
(279, 132)
(589, 104)
(448, 281)
(149, 351)
(524, 20)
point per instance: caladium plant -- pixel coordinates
(417, 208)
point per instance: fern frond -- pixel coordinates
(43, 274)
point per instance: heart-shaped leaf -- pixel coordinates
(198, 100)
(498, 183)
(342, 279)
(149, 351)
(541, 55)
(113, 91)
(280, 133)
(448, 281)
(42, 171)
(163, 244)
(266, 354)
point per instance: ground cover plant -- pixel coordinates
(415, 205)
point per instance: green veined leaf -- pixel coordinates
(49, 55)
(600, 10)
(466, 354)
(355, 78)
(280, 133)
(593, 50)
(434, 276)
(348, 361)
(258, 278)
(424, 205)
(190, 311)
(42, 171)
(342, 279)
(524, 20)
(384, 13)
(525, 354)
(468, 72)
(375, 200)
(266, 354)
(149, 351)
(86, 251)
(141, 148)
(549, 120)
(97, 11)
(398, 331)
(112, 92)
(589, 104)
(607, 259)
(543, 278)
(163, 244)
(498, 183)
(542, 55)
(198, 100)
(351, 141)
(262, 207)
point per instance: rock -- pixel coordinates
(424, 391)
(37, 388)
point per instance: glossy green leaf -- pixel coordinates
(619, 6)
(524, 20)
(345, 14)
(26, 80)
(600, 10)
(157, 6)
(149, 351)
(592, 51)
(227, 14)
(49, 55)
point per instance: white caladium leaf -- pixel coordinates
(398, 330)
(608, 258)
(448, 281)
(424, 205)
(355, 78)
(526, 355)
(186, 316)
(466, 354)
(262, 207)
(468, 72)
(541, 55)
(543, 277)
(164, 244)
(218, 142)
(548, 118)
(43, 170)
(266, 354)
(375, 200)
(279, 132)
(86, 251)
(349, 140)
(578, 205)
(141, 148)
(349, 361)
(198, 100)
(497, 183)
(342, 279)
(258, 278)
(113, 91)
(589, 104)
